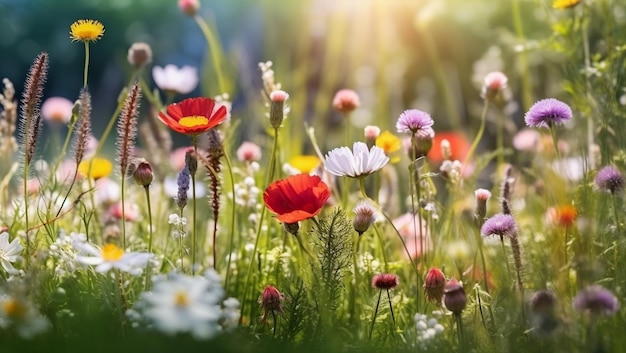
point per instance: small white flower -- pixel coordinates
(356, 163)
(112, 256)
(9, 252)
(22, 315)
(183, 303)
(171, 78)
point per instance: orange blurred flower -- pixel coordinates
(459, 146)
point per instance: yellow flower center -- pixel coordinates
(193, 121)
(95, 168)
(111, 252)
(86, 30)
(181, 299)
(305, 164)
(14, 309)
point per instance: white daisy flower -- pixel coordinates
(112, 256)
(356, 163)
(182, 303)
(179, 80)
(9, 252)
(22, 315)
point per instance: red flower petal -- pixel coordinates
(296, 198)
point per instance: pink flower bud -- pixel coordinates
(345, 101)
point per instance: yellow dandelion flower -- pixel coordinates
(86, 30)
(305, 164)
(564, 4)
(100, 168)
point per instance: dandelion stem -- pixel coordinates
(86, 70)
(109, 127)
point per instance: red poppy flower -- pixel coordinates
(193, 116)
(459, 146)
(296, 198)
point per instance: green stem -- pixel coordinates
(393, 318)
(232, 217)
(524, 75)
(380, 293)
(86, 70)
(193, 206)
(109, 127)
(213, 47)
(508, 267)
(122, 187)
(150, 234)
(479, 135)
(270, 178)
(555, 141)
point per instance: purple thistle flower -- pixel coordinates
(548, 112)
(610, 179)
(596, 300)
(500, 224)
(416, 122)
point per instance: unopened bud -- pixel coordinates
(277, 108)
(454, 298)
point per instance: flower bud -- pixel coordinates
(434, 285)
(139, 54)
(143, 174)
(482, 195)
(454, 298)
(345, 101)
(271, 301)
(277, 107)
(191, 161)
(371, 134)
(494, 83)
(189, 7)
(365, 217)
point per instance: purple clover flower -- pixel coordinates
(500, 224)
(416, 122)
(596, 300)
(548, 112)
(610, 179)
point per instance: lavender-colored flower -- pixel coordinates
(502, 225)
(610, 179)
(548, 112)
(416, 122)
(183, 185)
(596, 300)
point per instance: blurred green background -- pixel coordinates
(397, 54)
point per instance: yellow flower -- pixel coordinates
(564, 4)
(305, 164)
(86, 30)
(390, 143)
(100, 168)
